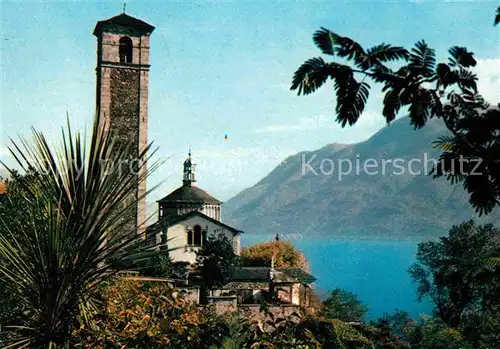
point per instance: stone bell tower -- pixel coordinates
(122, 88)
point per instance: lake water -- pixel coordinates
(374, 270)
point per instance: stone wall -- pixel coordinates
(252, 311)
(223, 304)
(122, 100)
(124, 125)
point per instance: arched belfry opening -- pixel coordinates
(125, 49)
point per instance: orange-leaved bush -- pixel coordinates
(149, 315)
(286, 255)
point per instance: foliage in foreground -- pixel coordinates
(69, 234)
(152, 315)
(343, 305)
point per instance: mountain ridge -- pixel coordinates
(320, 202)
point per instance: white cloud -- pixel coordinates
(369, 121)
(304, 124)
(238, 160)
(227, 161)
(222, 170)
(488, 71)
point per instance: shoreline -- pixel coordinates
(360, 238)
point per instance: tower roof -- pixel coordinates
(124, 20)
(190, 194)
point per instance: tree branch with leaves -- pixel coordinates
(447, 91)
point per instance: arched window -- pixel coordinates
(197, 235)
(190, 237)
(125, 50)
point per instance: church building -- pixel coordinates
(186, 217)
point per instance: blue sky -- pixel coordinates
(220, 68)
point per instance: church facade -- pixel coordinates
(186, 217)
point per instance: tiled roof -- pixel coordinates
(125, 21)
(257, 274)
(168, 221)
(298, 273)
(190, 194)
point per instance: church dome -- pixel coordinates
(189, 198)
(191, 195)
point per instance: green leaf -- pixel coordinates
(494, 261)
(460, 56)
(466, 79)
(311, 75)
(444, 143)
(419, 108)
(330, 43)
(392, 104)
(351, 97)
(381, 53)
(325, 40)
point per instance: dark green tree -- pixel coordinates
(21, 190)
(454, 273)
(396, 325)
(343, 305)
(446, 90)
(216, 260)
(482, 329)
(434, 334)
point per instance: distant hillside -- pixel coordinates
(387, 205)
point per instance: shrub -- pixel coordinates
(260, 255)
(150, 315)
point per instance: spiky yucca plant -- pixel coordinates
(74, 232)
